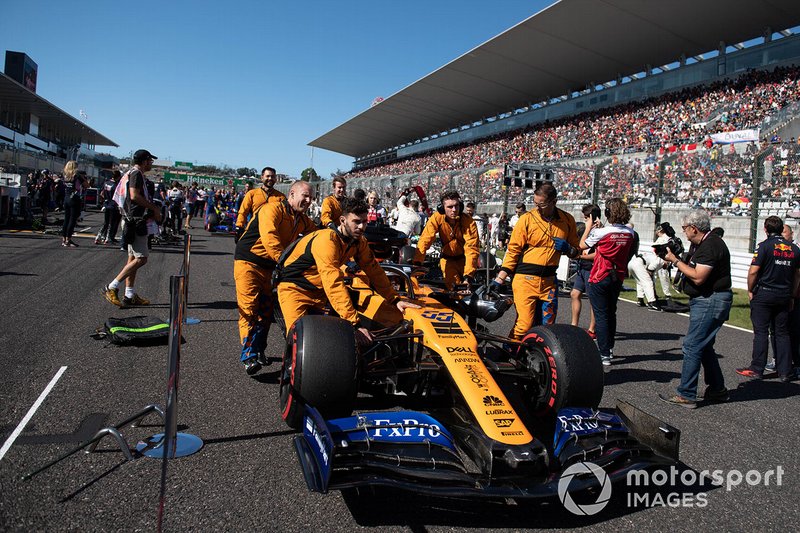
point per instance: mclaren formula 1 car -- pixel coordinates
(489, 416)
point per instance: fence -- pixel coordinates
(734, 182)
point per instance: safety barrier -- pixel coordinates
(169, 444)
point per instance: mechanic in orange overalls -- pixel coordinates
(273, 227)
(255, 198)
(537, 242)
(459, 236)
(331, 205)
(312, 274)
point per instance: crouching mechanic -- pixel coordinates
(537, 242)
(312, 274)
(459, 236)
(271, 229)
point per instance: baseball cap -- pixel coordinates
(141, 156)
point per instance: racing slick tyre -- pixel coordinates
(319, 369)
(565, 369)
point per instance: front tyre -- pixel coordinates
(319, 369)
(565, 369)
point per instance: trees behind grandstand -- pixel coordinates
(310, 175)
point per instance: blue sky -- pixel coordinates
(242, 83)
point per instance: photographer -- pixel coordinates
(137, 208)
(707, 274)
(665, 233)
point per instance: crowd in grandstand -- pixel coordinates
(714, 175)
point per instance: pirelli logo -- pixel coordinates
(443, 322)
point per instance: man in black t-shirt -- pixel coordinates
(708, 284)
(137, 207)
(771, 282)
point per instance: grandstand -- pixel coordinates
(35, 134)
(621, 98)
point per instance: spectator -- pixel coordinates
(137, 209)
(637, 267)
(376, 211)
(111, 216)
(772, 281)
(707, 274)
(613, 244)
(73, 201)
(191, 199)
(407, 218)
(585, 260)
(519, 210)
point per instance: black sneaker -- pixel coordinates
(716, 396)
(652, 307)
(262, 360)
(640, 302)
(251, 366)
(788, 378)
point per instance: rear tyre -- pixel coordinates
(565, 369)
(319, 369)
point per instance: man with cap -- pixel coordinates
(255, 198)
(137, 207)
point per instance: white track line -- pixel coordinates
(687, 316)
(31, 412)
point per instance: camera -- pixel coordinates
(674, 245)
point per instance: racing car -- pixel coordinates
(492, 416)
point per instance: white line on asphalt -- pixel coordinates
(10, 440)
(687, 316)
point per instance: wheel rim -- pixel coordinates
(537, 389)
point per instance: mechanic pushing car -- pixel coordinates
(332, 205)
(459, 236)
(537, 242)
(312, 275)
(273, 227)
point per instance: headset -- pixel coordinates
(440, 206)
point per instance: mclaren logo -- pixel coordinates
(492, 401)
(503, 422)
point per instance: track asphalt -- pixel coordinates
(246, 477)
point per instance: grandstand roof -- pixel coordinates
(18, 100)
(560, 50)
